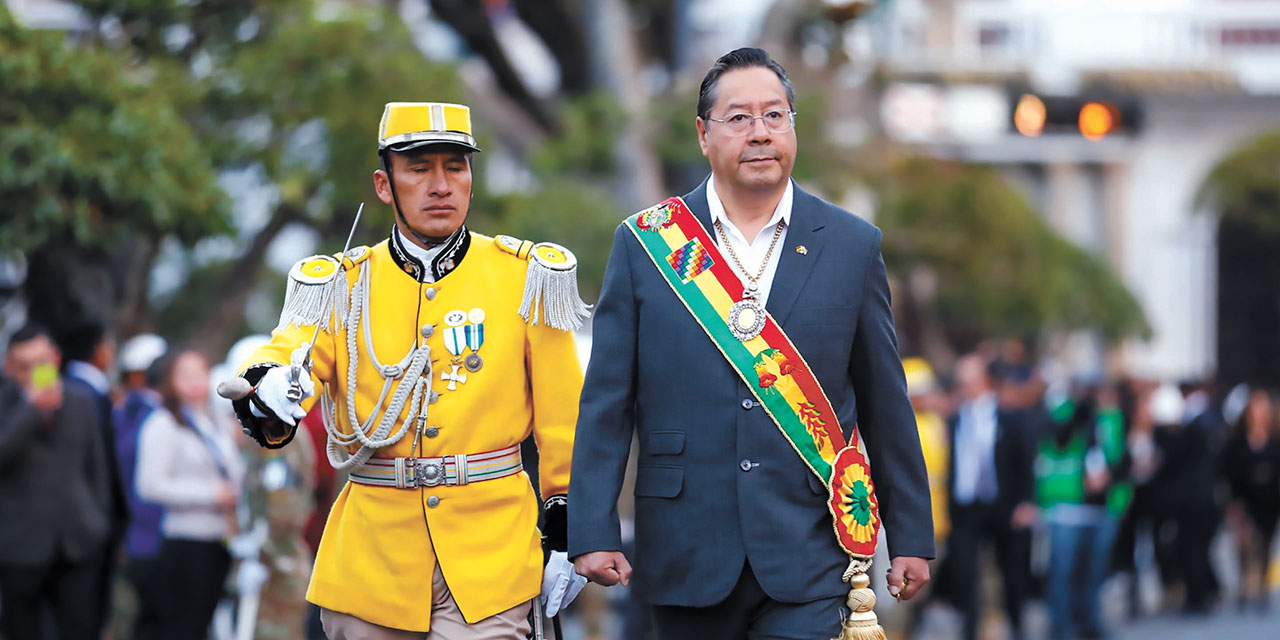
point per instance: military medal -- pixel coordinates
(455, 340)
(747, 316)
(473, 334)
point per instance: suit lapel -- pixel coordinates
(794, 266)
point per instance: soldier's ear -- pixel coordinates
(382, 185)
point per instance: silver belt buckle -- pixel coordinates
(428, 473)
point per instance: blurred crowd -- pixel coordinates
(132, 508)
(1068, 484)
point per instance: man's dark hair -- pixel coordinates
(743, 58)
(81, 339)
(28, 332)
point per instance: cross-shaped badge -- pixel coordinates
(453, 378)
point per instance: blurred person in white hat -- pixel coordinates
(142, 536)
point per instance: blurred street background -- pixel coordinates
(1080, 202)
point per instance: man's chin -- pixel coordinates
(765, 177)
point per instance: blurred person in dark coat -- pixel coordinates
(89, 351)
(1184, 487)
(992, 492)
(1251, 466)
(54, 520)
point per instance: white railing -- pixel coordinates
(1084, 34)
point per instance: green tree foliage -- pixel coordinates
(999, 270)
(91, 153)
(570, 213)
(1246, 184)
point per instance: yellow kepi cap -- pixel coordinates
(408, 125)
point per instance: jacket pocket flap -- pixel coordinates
(667, 443)
(659, 482)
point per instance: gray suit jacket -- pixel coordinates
(654, 372)
(53, 479)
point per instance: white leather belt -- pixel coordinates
(452, 470)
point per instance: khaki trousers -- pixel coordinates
(446, 622)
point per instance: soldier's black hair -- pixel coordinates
(743, 58)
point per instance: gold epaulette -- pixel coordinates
(315, 293)
(551, 285)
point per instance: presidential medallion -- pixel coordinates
(746, 319)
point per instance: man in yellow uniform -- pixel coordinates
(436, 351)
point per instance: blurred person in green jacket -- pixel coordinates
(1082, 494)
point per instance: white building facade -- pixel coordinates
(1195, 77)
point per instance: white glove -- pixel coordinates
(273, 389)
(560, 583)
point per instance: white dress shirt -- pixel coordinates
(92, 375)
(425, 256)
(751, 253)
(975, 461)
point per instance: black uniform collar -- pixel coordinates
(446, 260)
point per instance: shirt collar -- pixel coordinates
(90, 374)
(780, 213)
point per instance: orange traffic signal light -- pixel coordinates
(1097, 119)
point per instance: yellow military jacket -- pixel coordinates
(381, 544)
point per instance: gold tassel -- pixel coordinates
(862, 623)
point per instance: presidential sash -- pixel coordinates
(756, 347)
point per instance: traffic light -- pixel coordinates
(1092, 117)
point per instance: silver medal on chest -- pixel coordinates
(747, 317)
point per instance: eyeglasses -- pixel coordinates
(776, 121)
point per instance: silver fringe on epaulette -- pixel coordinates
(556, 294)
(306, 304)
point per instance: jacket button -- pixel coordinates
(433, 398)
(428, 330)
(430, 293)
(433, 502)
(748, 403)
(746, 465)
(433, 432)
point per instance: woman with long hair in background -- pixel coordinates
(189, 464)
(1251, 466)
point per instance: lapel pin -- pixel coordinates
(802, 250)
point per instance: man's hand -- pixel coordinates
(906, 576)
(1024, 516)
(47, 399)
(273, 390)
(604, 567)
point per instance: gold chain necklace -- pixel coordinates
(752, 287)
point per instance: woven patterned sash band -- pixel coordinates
(452, 470)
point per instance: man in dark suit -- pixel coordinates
(733, 535)
(89, 351)
(54, 521)
(992, 491)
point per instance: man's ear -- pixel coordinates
(702, 133)
(382, 185)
